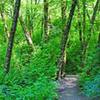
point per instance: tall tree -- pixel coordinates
(63, 13)
(12, 34)
(2, 8)
(81, 22)
(84, 19)
(26, 33)
(86, 44)
(63, 18)
(65, 38)
(80, 25)
(29, 16)
(45, 25)
(36, 1)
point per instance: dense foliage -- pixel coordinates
(32, 72)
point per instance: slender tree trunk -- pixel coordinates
(63, 16)
(45, 20)
(36, 1)
(12, 34)
(84, 21)
(4, 21)
(31, 20)
(26, 33)
(29, 15)
(80, 25)
(99, 39)
(65, 38)
(93, 19)
(5, 25)
(88, 15)
(90, 29)
(63, 13)
(81, 32)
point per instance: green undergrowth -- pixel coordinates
(32, 74)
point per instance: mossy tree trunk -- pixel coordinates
(12, 34)
(65, 38)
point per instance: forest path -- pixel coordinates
(69, 89)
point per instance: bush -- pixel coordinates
(31, 78)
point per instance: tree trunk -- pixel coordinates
(45, 20)
(36, 1)
(26, 33)
(81, 32)
(90, 29)
(65, 38)
(4, 21)
(63, 16)
(63, 13)
(99, 40)
(84, 30)
(80, 25)
(12, 34)
(93, 19)
(84, 19)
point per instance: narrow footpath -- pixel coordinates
(69, 89)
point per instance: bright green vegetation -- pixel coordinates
(32, 72)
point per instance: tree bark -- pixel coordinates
(90, 29)
(80, 25)
(99, 40)
(12, 34)
(26, 33)
(84, 19)
(63, 13)
(83, 32)
(45, 20)
(63, 18)
(65, 38)
(93, 19)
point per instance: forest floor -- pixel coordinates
(69, 89)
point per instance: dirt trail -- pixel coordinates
(69, 90)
